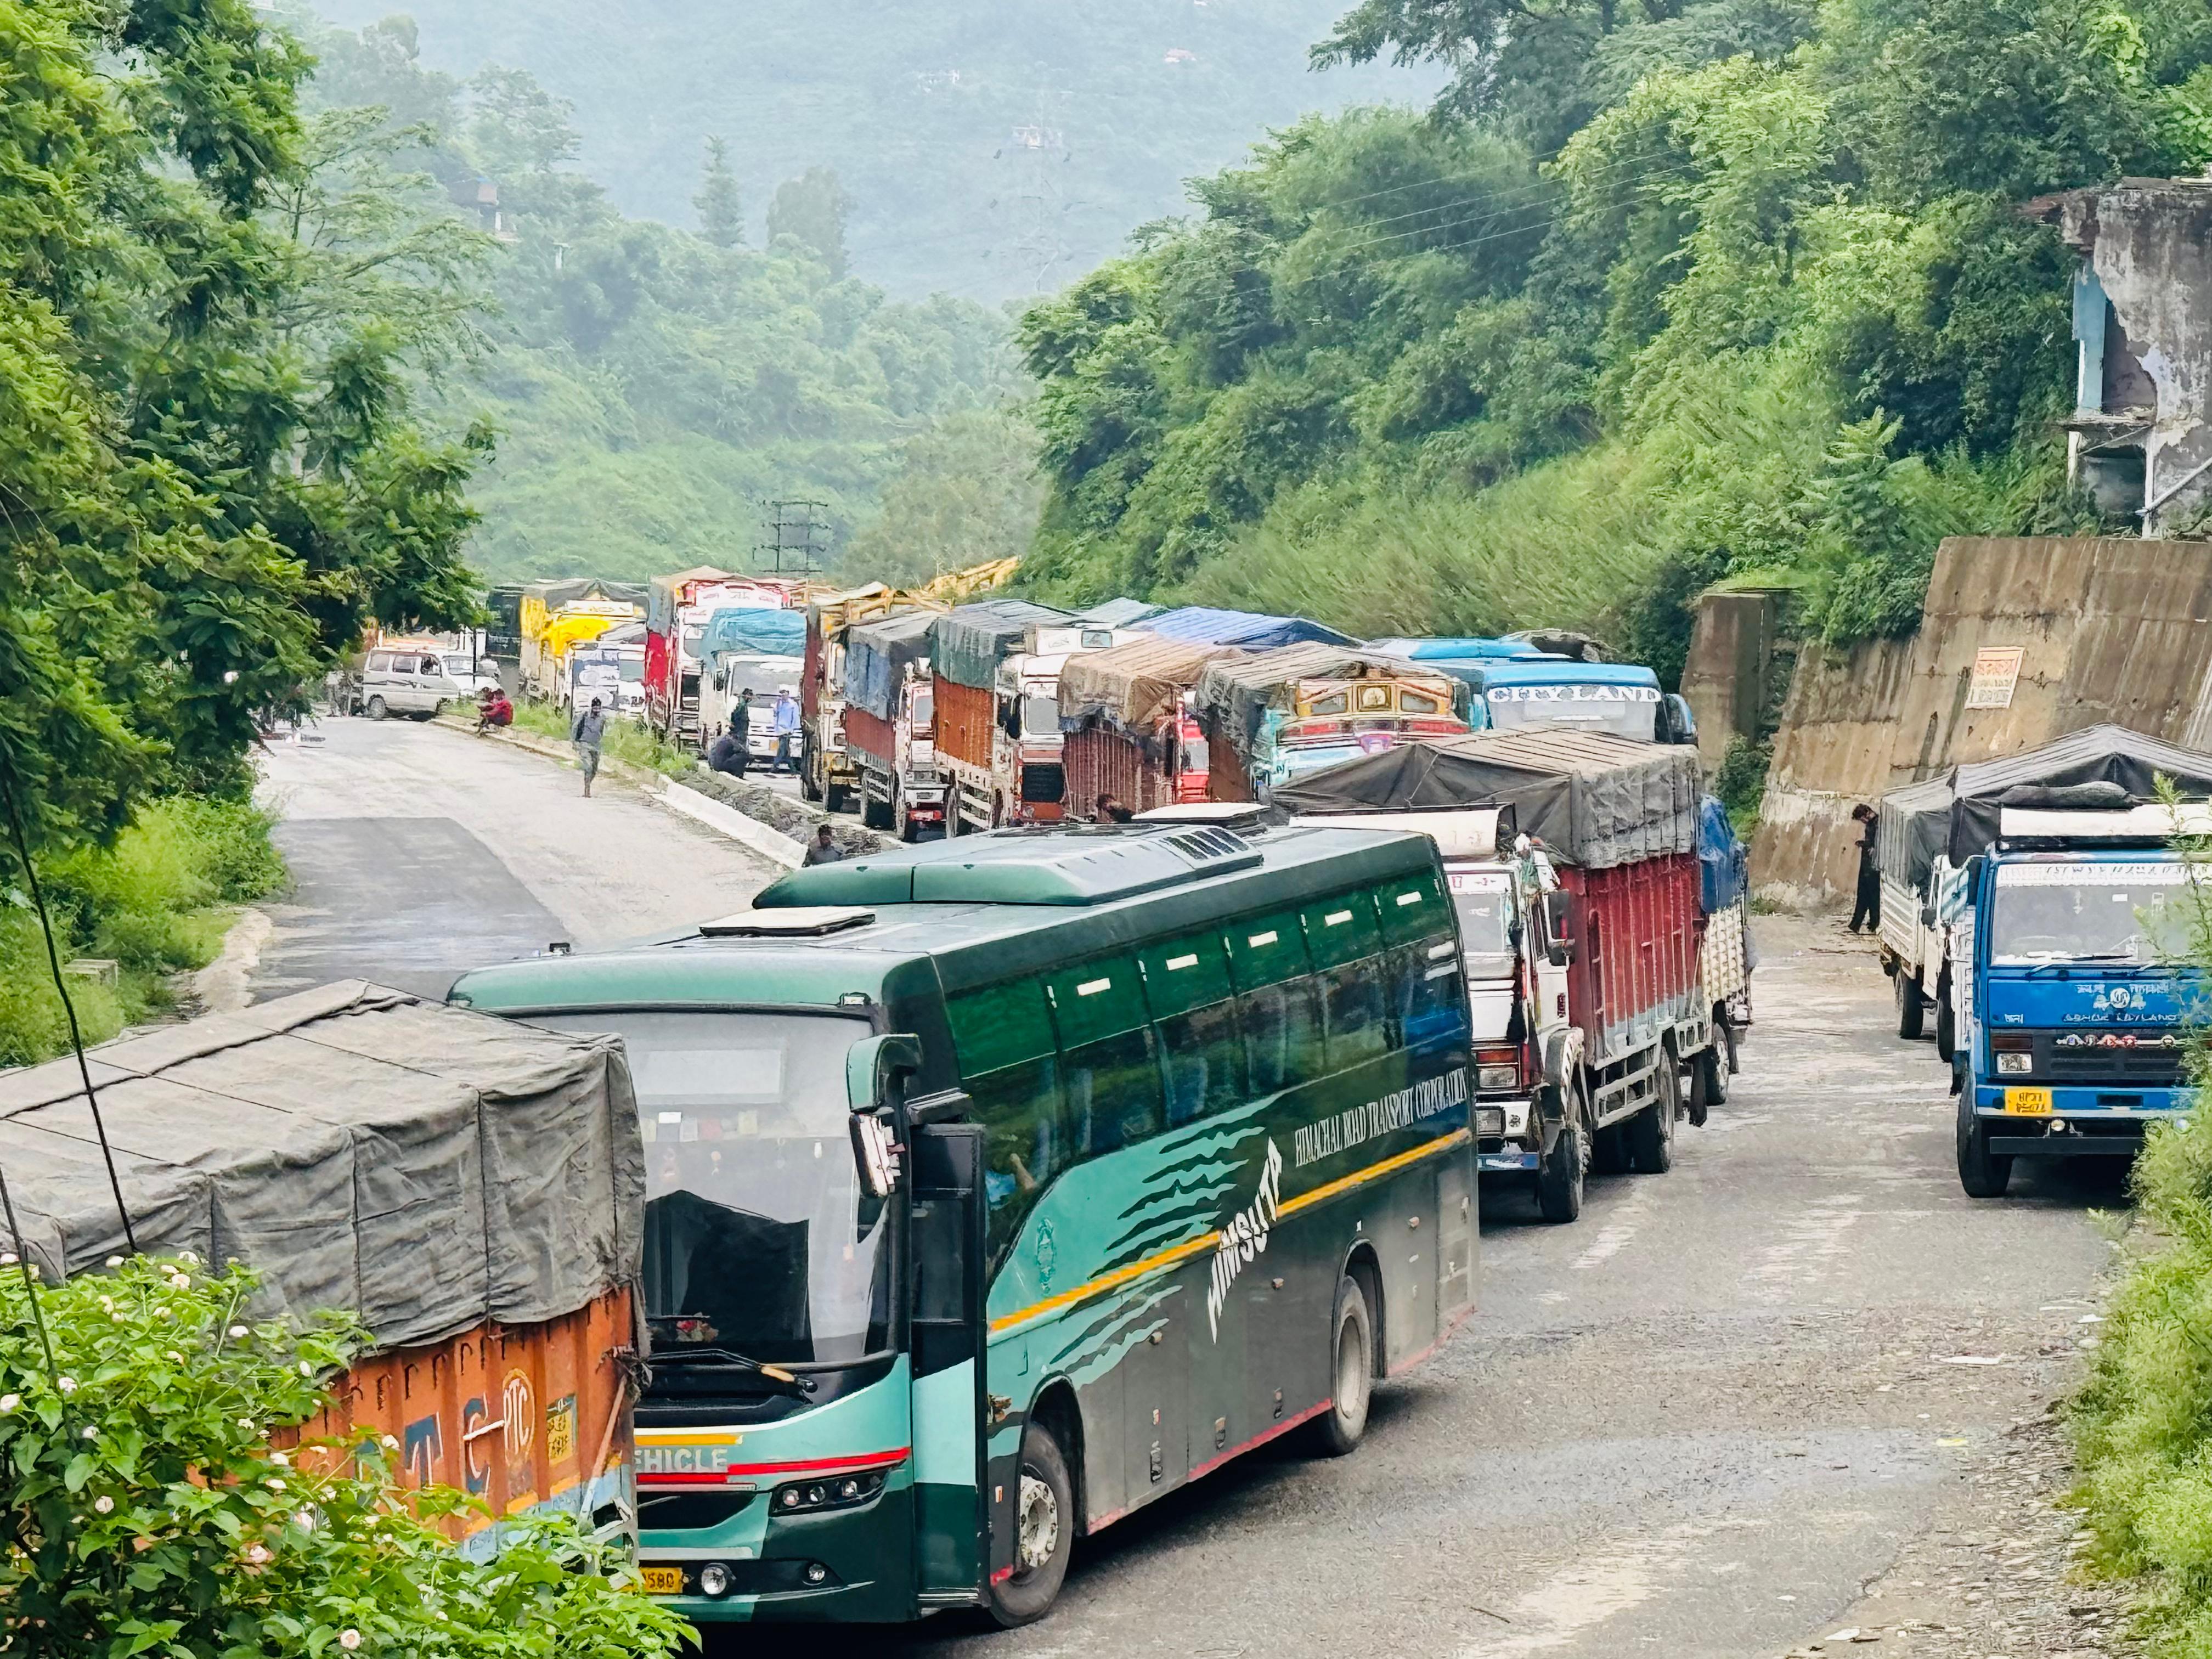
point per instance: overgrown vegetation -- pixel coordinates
(1657, 296)
(155, 902)
(146, 1512)
(624, 740)
(653, 389)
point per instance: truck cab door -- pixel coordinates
(947, 1340)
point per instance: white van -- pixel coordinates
(411, 680)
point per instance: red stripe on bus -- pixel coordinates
(805, 1465)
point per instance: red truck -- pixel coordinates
(676, 615)
(1130, 731)
(1586, 902)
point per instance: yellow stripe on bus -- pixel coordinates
(1189, 1247)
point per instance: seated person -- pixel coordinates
(727, 754)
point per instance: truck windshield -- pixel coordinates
(758, 1237)
(1040, 715)
(1624, 711)
(2133, 912)
(1484, 899)
(921, 709)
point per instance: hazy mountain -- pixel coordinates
(989, 148)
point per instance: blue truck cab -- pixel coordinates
(1514, 685)
(2072, 1042)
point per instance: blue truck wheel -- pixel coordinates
(1983, 1173)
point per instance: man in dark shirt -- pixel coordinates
(1866, 903)
(824, 848)
(726, 754)
(741, 721)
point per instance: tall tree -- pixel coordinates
(722, 209)
(813, 209)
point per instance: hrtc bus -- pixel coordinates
(998, 1186)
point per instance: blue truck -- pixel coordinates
(2073, 927)
(1516, 685)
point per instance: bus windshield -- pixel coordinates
(1624, 711)
(758, 1236)
(2132, 912)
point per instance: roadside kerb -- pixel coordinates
(775, 826)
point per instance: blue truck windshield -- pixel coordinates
(758, 1237)
(2122, 912)
(1624, 711)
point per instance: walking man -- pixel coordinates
(787, 730)
(1867, 904)
(588, 732)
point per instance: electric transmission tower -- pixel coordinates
(798, 536)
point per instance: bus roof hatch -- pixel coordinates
(1089, 865)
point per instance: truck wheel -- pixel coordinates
(1708, 1086)
(377, 710)
(1947, 1022)
(1651, 1130)
(1911, 1008)
(1983, 1173)
(904, 822)
(1560, 1171)
(1351, 1371)
(876, 814)
(1044, 1532)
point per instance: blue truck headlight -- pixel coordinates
(1492, 1078)
(2015, 1065)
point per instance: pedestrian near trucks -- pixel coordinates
(588, 733)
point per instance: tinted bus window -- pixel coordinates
(1413, 909)
(1353, 999)
(1001, 1025)
(1431, 1002)
(1283, 1035)
(1025, 1144)
(1113, 1093)
(1204, 1053)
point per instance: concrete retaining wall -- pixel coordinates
(2109, 629)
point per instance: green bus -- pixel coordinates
(998, 1185)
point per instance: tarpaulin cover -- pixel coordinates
(422, 1166)
(1120, 613)
(1595, 800)
(1197, 625)
(669, 592)
(970, 641)
(1724, 867)
(876, 654)
(1956, 814)
(570, 590)
(1133, 686)
(1456, 650)
(1233, 697)
(755, 631)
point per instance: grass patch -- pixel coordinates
(157, 902)
(625, 740)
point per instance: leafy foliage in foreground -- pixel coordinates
(1658, 295)
(208, 478)
(145, 1512)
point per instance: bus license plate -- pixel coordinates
(2027, 1103)
(663, 1581)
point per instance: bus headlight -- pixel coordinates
(2015, 1065)
(835, 1492)
(714, 1579)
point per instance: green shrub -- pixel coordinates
(146, 1512)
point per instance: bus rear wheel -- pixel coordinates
(1340, 1428)
(1044, 1532)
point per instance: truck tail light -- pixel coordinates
(1496, 1069)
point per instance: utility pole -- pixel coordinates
(798, 536)
(1039, 152)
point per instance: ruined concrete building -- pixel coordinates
(2139, 436)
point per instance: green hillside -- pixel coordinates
(916, 107)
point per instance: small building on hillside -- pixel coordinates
(2139, 437)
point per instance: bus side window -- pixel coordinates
(1024, 1144)
(1345, 945)
(1204, 1051)
(1431, 1001)
(1113, 1093)
(1283, 1035)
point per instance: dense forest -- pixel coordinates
(651, 389)
(991, 147)
(1655, 296)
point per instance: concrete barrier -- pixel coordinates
(2106, 628)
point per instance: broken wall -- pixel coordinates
(2106, 629)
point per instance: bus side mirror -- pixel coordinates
(1555, 918)
(873, 1067)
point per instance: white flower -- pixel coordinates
(9, 1401)
(348, 1639)
(165, 1313)
(105, 1505)
(306, 1520)
(237, 1331)
(115, 1261)
(174, 1357)
(66, 1384)
(245, 1423)
(391, 1443)
(275, 1486)
(188, 1258)
(179, 1281)
(258, 1555)
(280, 1459)
(91, 1433)
(107, 1304)
(306, 1370)
(8, 1259)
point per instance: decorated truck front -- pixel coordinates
(1279, 715)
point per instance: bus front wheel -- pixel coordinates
(1044, 1532)
(1352, 1373)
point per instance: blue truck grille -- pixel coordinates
(2087, 1056)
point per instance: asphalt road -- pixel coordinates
(1728, 1410)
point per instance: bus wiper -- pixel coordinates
(692, 1354)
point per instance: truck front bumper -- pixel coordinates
(2081, 1122)
(1507, 1136)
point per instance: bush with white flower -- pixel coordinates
(143, 1511)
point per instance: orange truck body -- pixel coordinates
(967, 716)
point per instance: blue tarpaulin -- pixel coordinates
(1723, 868)
(755, 631)
(1197, 624)
(1456, 650)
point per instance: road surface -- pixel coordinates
(1732, 1409)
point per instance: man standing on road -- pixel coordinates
(741, 725)
(787, 729)
(824, 850)
(1867, 904)
(588, 732)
